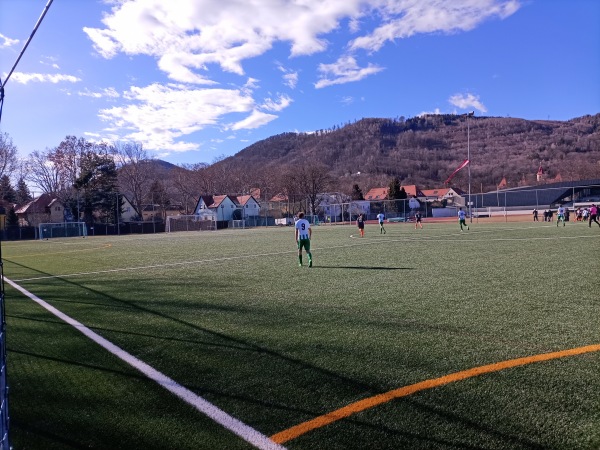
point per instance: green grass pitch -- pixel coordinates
(230, 316)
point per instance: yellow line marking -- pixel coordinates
(102, 247)
(367, 403)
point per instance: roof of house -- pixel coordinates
(218, 199)
(37, 205)
(243, 199)
(381, 193)
(279, 198)
(413, 191)
(377, 193)
(439, 192)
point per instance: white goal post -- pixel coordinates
(64, 229)
(190, 223)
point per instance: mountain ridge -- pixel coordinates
(425, 150)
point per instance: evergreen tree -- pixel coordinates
(396, 192)
(97, 189)
(7, 192)
(12, 219)
(394, 189)
(357, 193)
(23, 195)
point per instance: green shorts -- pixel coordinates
(304, 243)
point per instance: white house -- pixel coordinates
(128, 213)
(358, 207)
(219, 207)
(249, 206)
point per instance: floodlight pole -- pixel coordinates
(469, 159)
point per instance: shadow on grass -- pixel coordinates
(222, 339)
(362, 267)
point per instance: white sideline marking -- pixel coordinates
(232, 424)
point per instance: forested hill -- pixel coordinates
(426, 150)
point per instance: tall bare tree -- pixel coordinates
(135, 171)
(313, 179)
(187, 183)
(56, 170)
(43, 173)
(8, 155)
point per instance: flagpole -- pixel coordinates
(469, 159)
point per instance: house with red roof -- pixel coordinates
(44, 209)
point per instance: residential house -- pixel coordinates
(249, 206)
(331, 203)
(44, 209)
(128, 212)
(218, 207)
(377, 194)
(451, 195)
(381, 193)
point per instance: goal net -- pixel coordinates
(64, 229)
(190, 223)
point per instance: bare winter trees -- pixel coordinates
(135, 171)
(8, 155)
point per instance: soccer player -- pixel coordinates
(360, 222)
(462, 216)
(560, 215)
(380, 217)
(418, 220)
(593, 215)
(303, 235)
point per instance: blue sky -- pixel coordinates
(207, 78)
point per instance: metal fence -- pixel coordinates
(4, 416)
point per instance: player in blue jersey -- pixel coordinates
(462, 219)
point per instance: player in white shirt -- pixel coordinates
(380, 218)
(303, 234)
(560, 215)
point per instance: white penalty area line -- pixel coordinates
(356, 241)
(232, 424)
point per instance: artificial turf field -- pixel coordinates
(449, 326)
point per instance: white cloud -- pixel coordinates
(108, 92)
(6, 42)
(435, 112)
(402, 19)
(158, 115)
(344, 70)
(282, 102)
(467, 101)
(254, 120)
(25, 78)
(291, 80)
(187, 39)
(223, 32)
